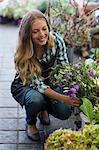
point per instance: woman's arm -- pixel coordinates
(53, 95)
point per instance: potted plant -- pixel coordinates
(66, 139)
(14, 10)
(79, 80)
(6, 12)
(90, 113)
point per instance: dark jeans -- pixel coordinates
(35, 102)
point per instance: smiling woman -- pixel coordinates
(38, 51)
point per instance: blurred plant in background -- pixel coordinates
(60, 12)
(77, 29)
(14, 10)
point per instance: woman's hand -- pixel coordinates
(53, 95)
(71, 101)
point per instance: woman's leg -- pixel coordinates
(34, 103)
(59, 110)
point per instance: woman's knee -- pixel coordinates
(34, 98)
(65, 113)
(61, 111)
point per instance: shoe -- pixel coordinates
(33, 136)
(44, 121)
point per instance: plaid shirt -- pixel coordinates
(60, 58)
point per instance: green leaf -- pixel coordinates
(87, 109)
(97, 116)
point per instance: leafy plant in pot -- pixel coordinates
(79, 80)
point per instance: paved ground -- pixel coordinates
(12, 116)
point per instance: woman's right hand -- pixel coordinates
(71, 101)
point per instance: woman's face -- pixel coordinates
(40, 32)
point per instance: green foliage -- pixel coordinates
(91, 134)
(95, 53)
(87, 109)
(59, 12)
(7, 10)
(20, 11)
(82, 81)
(79, 74)
(66, 139)
(96, 113)
(17, 9)
(61, 6)
(43, 6)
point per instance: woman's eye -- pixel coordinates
(37, 31)
(44, 29)
(34, 32)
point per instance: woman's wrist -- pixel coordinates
(64, 98)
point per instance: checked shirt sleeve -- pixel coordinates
(38, 84)
(61, 50)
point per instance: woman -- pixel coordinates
(38, 50)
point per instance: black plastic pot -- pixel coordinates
(5, 20)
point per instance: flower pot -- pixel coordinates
(84, 119)
(5, 20)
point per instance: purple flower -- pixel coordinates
(65, 76)
(73, 95)
(77, 65)
(92, 73)
(68, 93)
(65, 93)
(18, 21)
(73, 90)
(97, 61)
(76, 86)
(68, 78)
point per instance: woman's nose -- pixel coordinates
(41, 33)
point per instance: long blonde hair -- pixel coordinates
(25, 61)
